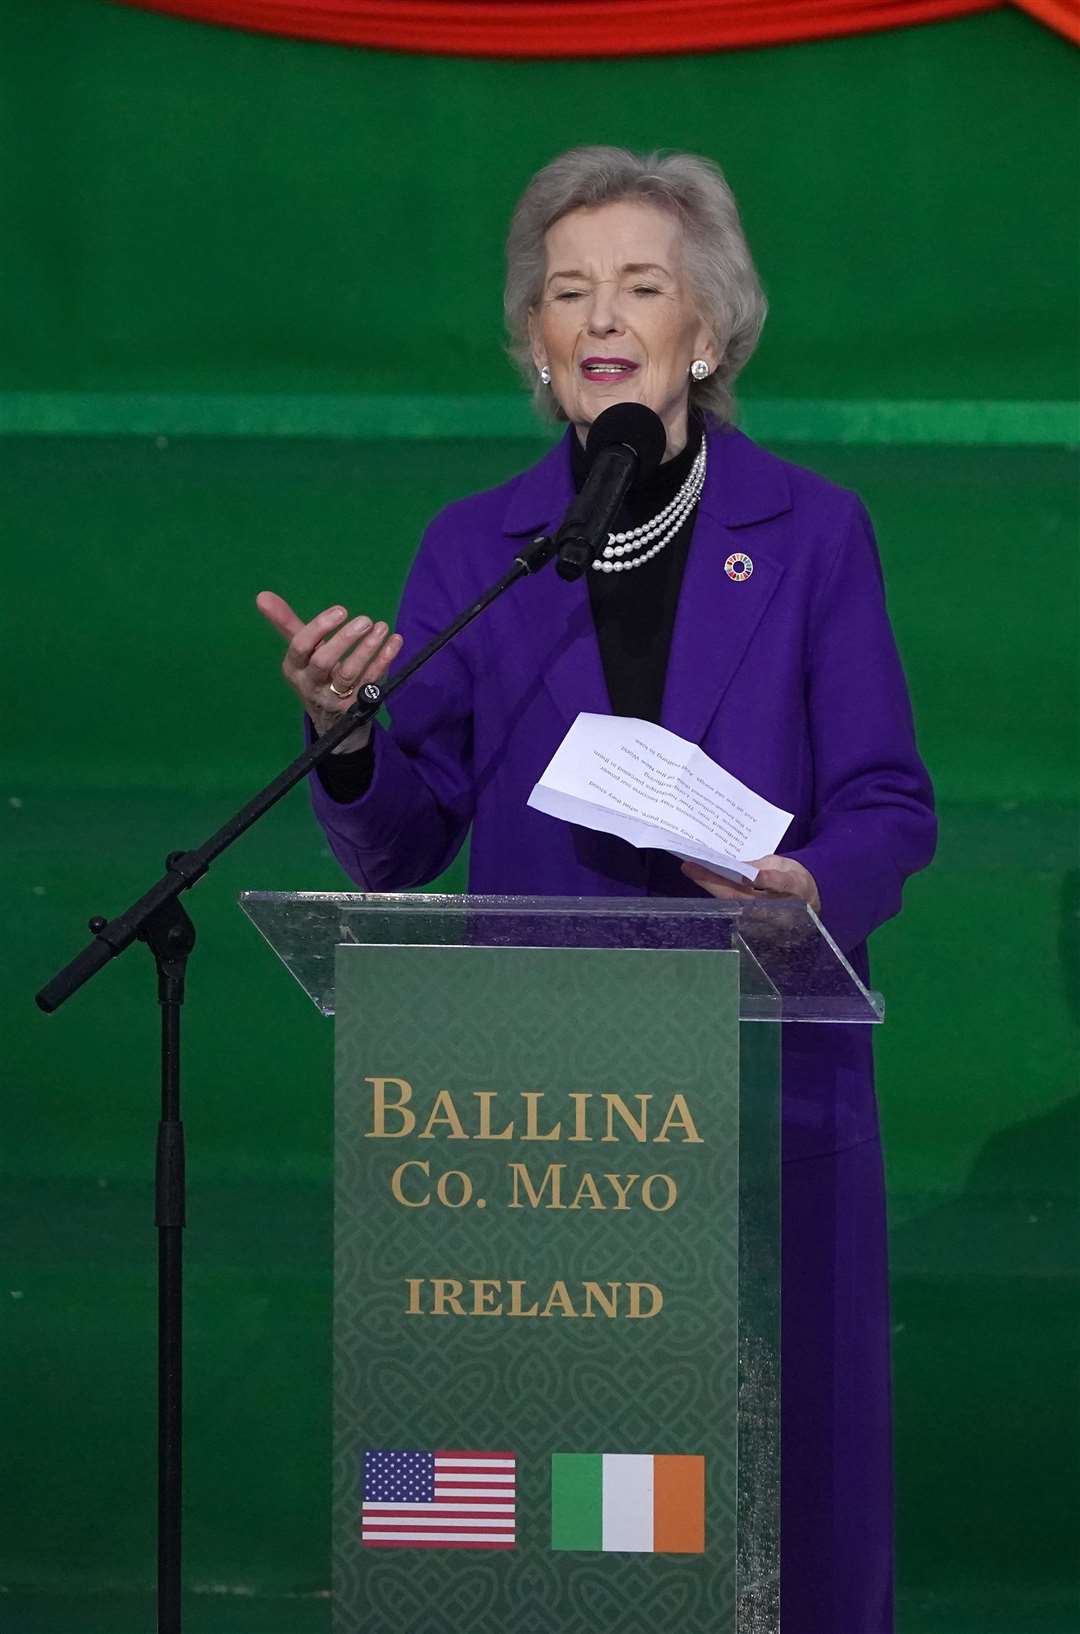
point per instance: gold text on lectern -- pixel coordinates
(397, 1112)
(491, 1296)
(413, 1185)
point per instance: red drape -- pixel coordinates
(585, 28)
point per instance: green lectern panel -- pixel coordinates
(537, 1266)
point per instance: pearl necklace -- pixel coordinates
(663, 527)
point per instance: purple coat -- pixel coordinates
(789, 678)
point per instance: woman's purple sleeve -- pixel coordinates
(410, 823)
(874, 820)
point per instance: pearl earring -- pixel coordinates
(545, 376)
(699, 369)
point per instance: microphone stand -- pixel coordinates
(159, 919)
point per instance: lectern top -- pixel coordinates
(791, 969)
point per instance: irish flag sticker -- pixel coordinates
(628, 1503)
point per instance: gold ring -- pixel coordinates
(349, 690)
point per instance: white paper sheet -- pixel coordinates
(646, 785)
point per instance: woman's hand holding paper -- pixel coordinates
(779, 876)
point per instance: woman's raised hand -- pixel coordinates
(328, 658)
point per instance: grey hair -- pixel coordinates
(721, 271)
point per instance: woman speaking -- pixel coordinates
(739, 603)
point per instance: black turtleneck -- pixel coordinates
(634, 613)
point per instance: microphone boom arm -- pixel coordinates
(184, 868)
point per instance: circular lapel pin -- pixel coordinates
(739, 566)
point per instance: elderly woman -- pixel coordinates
(745, 612)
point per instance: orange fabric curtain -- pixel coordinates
(585, 28)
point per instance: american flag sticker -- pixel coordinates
(439, 1500)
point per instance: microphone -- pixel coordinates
(625, 444)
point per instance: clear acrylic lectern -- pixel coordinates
(556, 1308)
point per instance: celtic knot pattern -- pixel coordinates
(561, 1021)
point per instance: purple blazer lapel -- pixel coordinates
(573, 672)
(562, 634)
(717, 615)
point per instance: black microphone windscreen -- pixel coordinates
(634, 426)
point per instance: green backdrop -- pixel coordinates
(210, 240)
